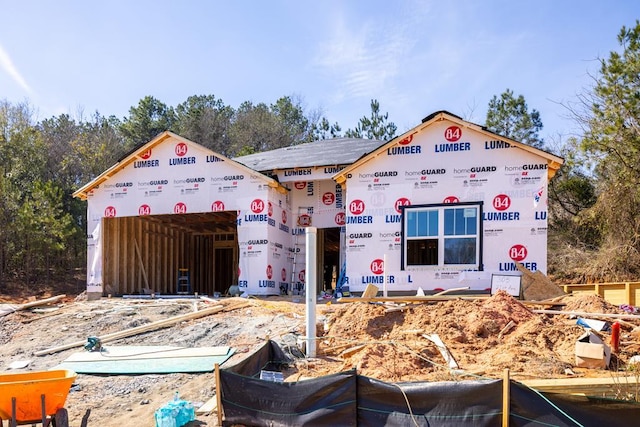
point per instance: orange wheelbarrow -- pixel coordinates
(35, 397)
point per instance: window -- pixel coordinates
(442, 235)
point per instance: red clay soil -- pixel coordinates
(390, 346)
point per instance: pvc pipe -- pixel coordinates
(311, 277)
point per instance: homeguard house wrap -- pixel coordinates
(174, 217)
(446, 204)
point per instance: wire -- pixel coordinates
(554, 405)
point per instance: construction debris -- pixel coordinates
(537, 286)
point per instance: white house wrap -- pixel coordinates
(444, 205)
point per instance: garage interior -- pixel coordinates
(145, 254)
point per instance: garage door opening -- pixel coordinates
(143, 255)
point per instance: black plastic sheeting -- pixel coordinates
(348, 399)
(325, 401)
(269, 357)
(464, 403)
(531, 408)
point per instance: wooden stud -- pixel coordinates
(218, 393)
(505, 398)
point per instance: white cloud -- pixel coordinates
(7, 65)
(364, 59)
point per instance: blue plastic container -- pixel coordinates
(176, 413)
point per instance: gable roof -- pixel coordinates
(83, 191)
(325, 152)
(554, 162)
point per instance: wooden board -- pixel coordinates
(434, 298)
(442, 348)
(608, 386)
(208, 406)
(537, 286)
(370, 291)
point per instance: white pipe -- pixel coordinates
(311, 277)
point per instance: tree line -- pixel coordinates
(43, 229)
(594, 200)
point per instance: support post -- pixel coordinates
(218, 393)
(506, 383)
(311, 277)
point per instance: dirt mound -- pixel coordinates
(589, 303)
(383, 341)
(484, 336)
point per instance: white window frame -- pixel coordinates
(441, 237)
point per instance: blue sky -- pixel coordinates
(415, 56)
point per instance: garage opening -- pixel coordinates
(147, 254)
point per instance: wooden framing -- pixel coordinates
(616, 293)
(143, 254)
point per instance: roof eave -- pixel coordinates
(554, 162)
(82, 192)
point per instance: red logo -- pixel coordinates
(284, 217)
(269, 209)
(328, 198)
(452, 133)
(402, 201)
(340, 218)
(300, 185)
(144, 210)
(304, 220)
(451, 199)
(518, 252)
(406, 140)
(257, 206)
(356, 207)
(180, 208)
(181, 149)
(301, 275)
(269, 272)
(109, 212)
(377, 266)
(217, 206)
(145, 154)
(283, 275)
(501, 202)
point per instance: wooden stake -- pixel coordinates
(505, 398)
(218, 393)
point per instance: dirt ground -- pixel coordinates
(382, 341)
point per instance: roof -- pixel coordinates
(554, 162)
(325, 152)
(82, 192)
